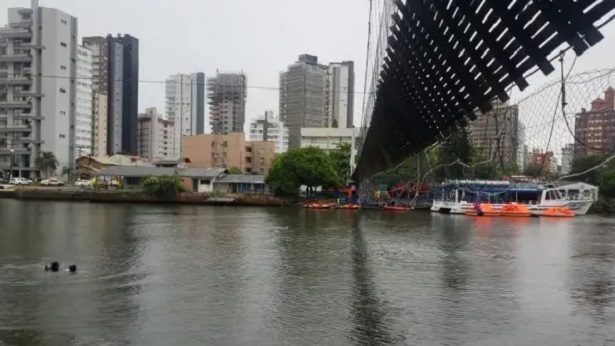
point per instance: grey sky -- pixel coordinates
(260, 37)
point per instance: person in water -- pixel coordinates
(72, 268)
(53, 267)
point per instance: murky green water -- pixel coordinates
(155, 275)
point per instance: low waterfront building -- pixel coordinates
(240, 183)
(228, 151)
(193, 179)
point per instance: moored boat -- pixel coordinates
(460, 197)
(482, 209)
(397, 208)
(318, 206)
(555, 212)
(515, 210)
(348, 206)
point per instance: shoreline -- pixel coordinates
(106, 196)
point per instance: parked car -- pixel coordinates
(83, 183)
(20, 181)
(51, 182)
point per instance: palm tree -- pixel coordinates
(47, 162)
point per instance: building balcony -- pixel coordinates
(26, 140)
(24, 24)
(25, 11)
(15, 129)
(16, 80)
(30, 46)
(10, 33)
(29, 116)
(27, 94)
(16, 151)
(15, 104)
(16, 58)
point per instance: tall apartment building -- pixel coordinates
(185, 106)
(567, 158)
(340, 101)
(99, 123)
(99, 46)
(303, 96)
(270, 129)
(38, 54)
(84, 110)
(596, 128)
(315, 95)
(155, 136)
(227, 102)
(496, 135)
(227, 151)
(116, 74)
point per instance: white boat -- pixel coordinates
(459, 197)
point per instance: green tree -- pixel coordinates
(235, 170)
(167, 187)
(303, 166)
(47, 162)
(604, 176)
(341, 159)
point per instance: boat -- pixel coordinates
(555, 212)
(318, 206)
(348, 206)
(460, 196)
(515, 210)
(483, 209)
(397, 208)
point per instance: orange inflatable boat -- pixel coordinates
(516, 210)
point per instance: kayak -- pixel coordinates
(318, 206)
(397, 208)
(349, 206)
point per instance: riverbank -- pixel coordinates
(107, 196)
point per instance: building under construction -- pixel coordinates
(227, 102)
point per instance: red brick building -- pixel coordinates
(596, 127)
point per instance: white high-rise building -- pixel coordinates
(38, 55)
(185, 107)
(155, 136)
(340, 101)
(275, 131)
(84, 112)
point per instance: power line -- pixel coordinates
(145, 81)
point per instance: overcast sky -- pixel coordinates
(260, 37)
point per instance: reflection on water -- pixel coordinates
(156, 275)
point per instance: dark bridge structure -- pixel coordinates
(447, 59)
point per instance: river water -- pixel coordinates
(190, 275)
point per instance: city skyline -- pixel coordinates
(261, 54)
